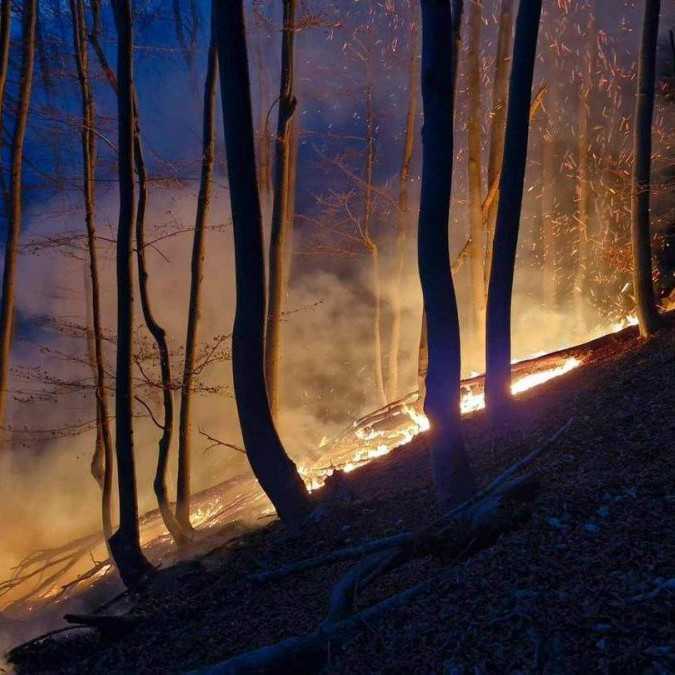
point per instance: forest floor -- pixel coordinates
(586, 585)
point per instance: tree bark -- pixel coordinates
(402, 216)
(370, 243)
(457, 9)
(180, 534)
(475, 186)
(271, 465)
(583, 170)
(8, 308)
(549, 159)
(498, 343)
(5, 25)
(452, 475)
(196, 276)
(125, 543)
(282, 216)
(89, 164)
(498, 132)
(641, 179)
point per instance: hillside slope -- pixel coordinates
(587, 584)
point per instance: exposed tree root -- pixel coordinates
(471, 527)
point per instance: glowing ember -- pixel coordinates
(401, 425)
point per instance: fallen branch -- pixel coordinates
(473, 526)
(376, 545)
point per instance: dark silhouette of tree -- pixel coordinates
(155, 329)
(282, 209)
(102, 462)
(452, 474)
(125, 544)
(196, 277)
(8, 308)
(5, 25)
(273, 468)
(457, 9)
(498, 333)
(641, 179)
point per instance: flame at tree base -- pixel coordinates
(404, 422)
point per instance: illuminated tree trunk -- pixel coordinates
(274, 470)
(498, 342)
(125, 543)
(264, 140)
(641, 179)
(583, 170)
(548, 198)
(371, 245)
(452, 475)
(457, 10)
(402, 217)
(7, 310)
(475, 187)
(282, 216)
(101, 465)
(196, 276)
(498, 131)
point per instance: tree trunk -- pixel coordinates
(5, 25)
(158, 334)
(180, 534)
(549, 172)
(402, 216)
(125, 543)
(282, 217)
(498, 343)
(104, 436)
(457, 11)
(498, 131)
(452, 475)
(583, 170)
(196, 276)
(7, 310)
(641, 179)
(475, 186)
(274, 470)
(370, 243)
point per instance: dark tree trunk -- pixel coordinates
(7, 310)
(5, 25)
(196, 276)
(498, 342)
(452, 474)
(273, 468)
(641, 181)
(499, 101)
(89, 164)
(180, 534)
(403, 214)
(125, 543)
(158, 334)
(282, 216)
(457, 10)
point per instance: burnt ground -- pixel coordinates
(586, 585)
